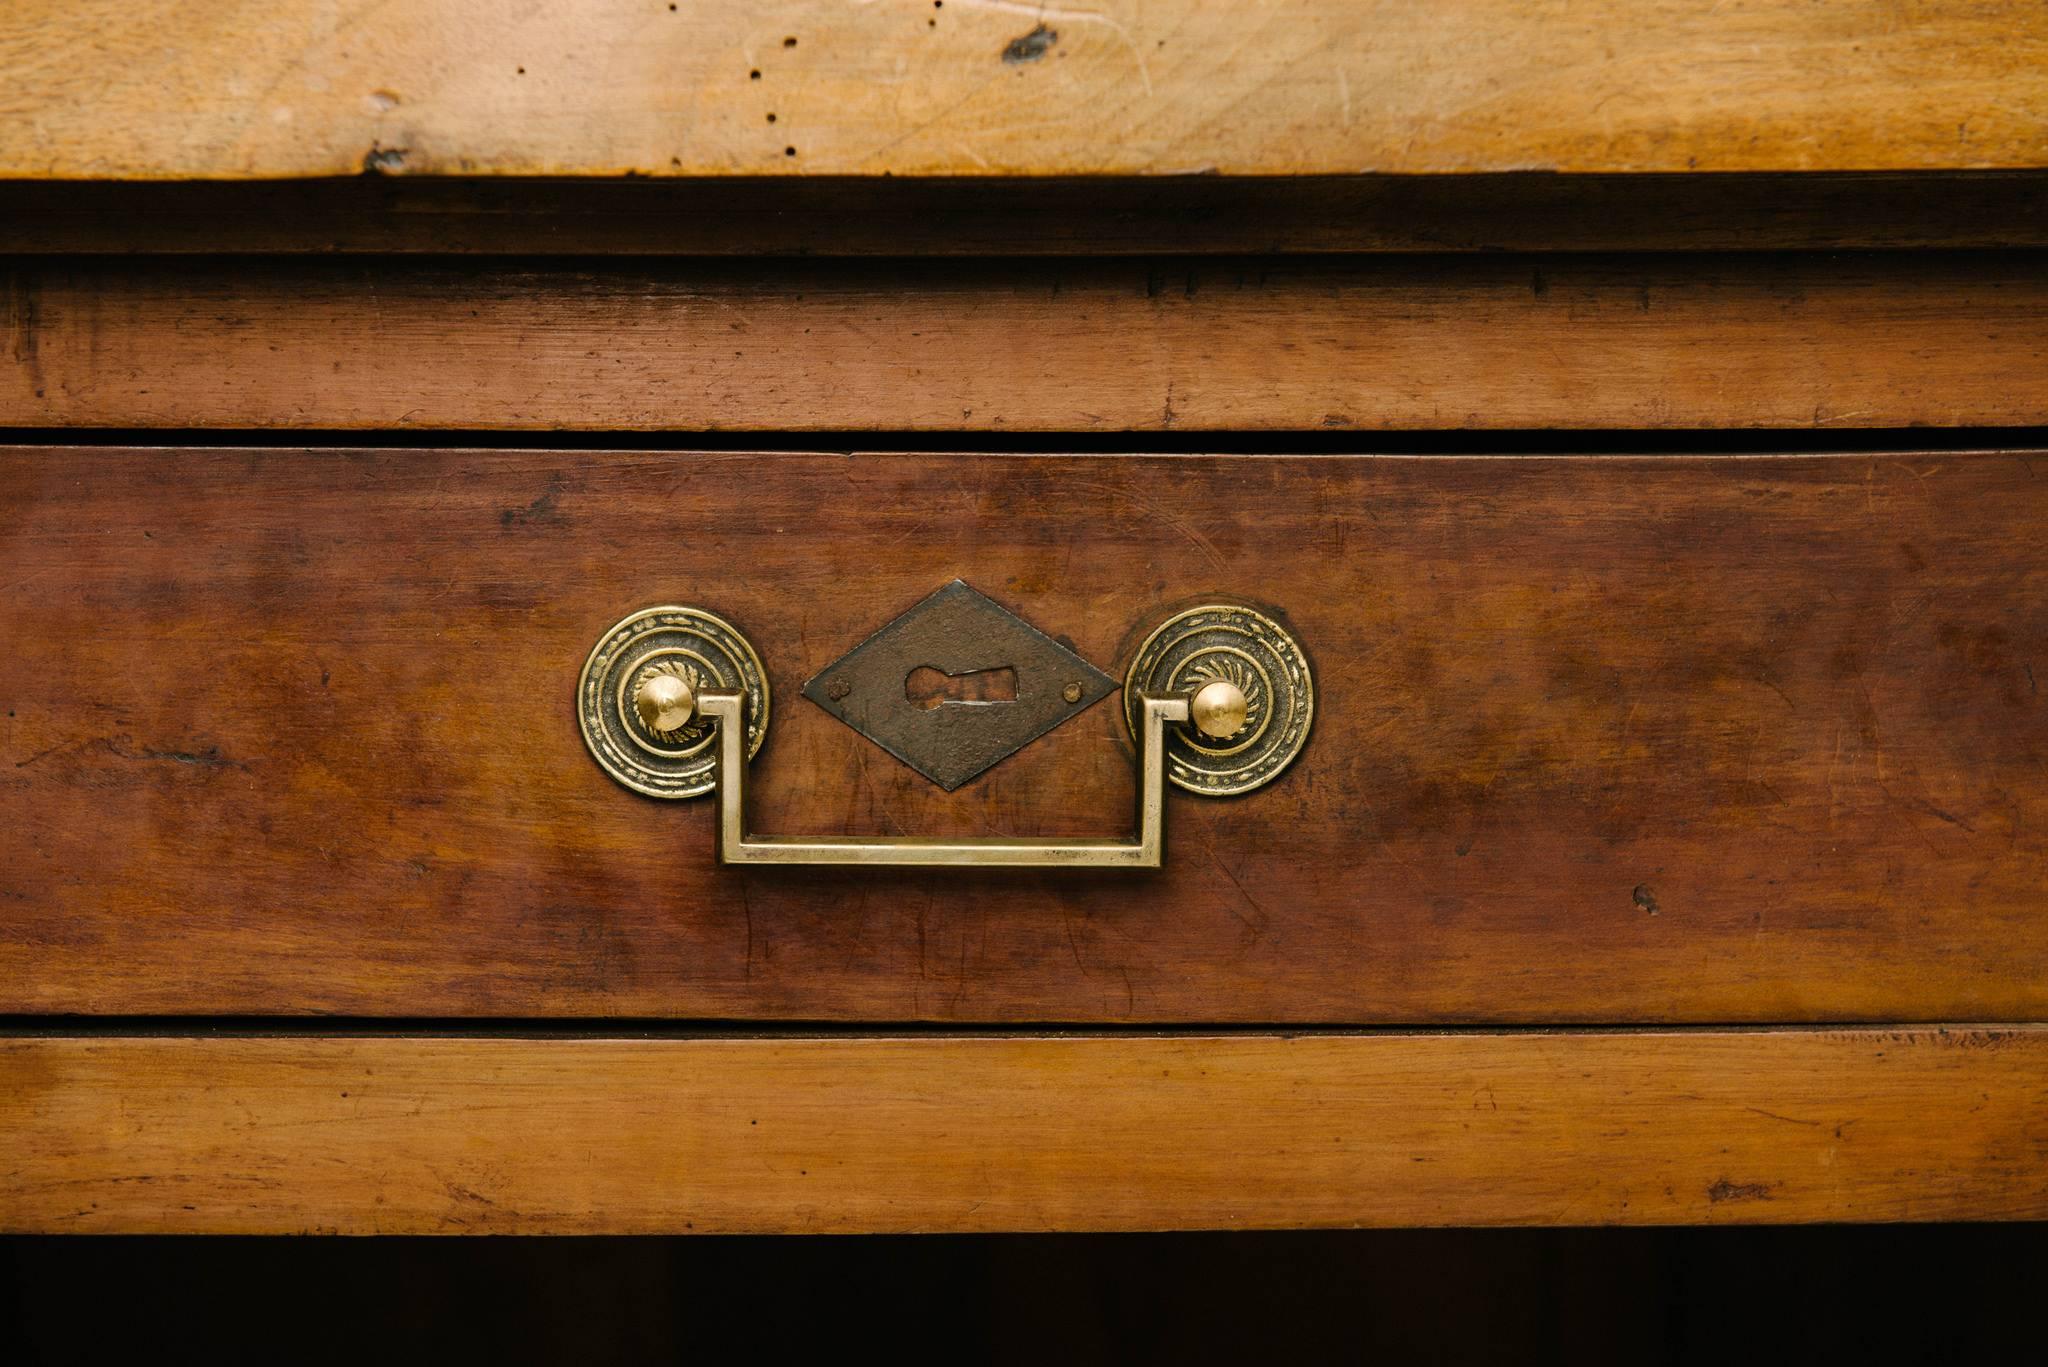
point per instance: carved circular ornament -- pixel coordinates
(1222, 642)
(704, 652)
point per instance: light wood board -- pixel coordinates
(364, 1135)
(166, 89)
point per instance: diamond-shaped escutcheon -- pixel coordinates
(956, 684)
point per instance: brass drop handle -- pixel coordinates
(674, 702)
(1144, 851)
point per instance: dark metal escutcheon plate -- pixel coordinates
(961, 635)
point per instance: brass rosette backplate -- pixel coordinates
(1227, 643)
(703, 652)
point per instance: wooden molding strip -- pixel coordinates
(521, 1135)
(164, 89)
(1326, 344)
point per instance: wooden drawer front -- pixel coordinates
(1597, 739)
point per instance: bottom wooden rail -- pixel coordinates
(411, 1133)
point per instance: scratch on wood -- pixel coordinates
(1725, 1190)
(24, 326)
(1789, 1120)
(207, 757)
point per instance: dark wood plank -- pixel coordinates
(902, 216)
(1599, 739)
(1668, 342)
(426, 1135)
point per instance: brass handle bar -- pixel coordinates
(735, 846)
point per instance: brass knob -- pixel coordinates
(665, 703)
(1218, 710)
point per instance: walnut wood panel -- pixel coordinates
(165, 89)
(386, 1135)
(1598, 739)
(1384, 342)
(903, 216)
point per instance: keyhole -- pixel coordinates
(930, 688)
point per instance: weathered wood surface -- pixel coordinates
(415, 1135)
(1151, 216)
(169, 89)
(1604, 739)
(1671, 342)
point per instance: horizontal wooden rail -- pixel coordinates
(1325, 345)
(286, 1133)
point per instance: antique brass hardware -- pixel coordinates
(1219, 709)
(636, 698)
(881, 687)
(664, 702)
(674, 702)
(1252, 696)
(1144, 851)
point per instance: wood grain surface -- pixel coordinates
(1657, 739)
(1030, 217)
(169, 89)
(453, 1135)
(1668, 342)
